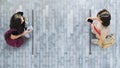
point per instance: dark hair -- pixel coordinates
(105, 17)
(100, 12)
(20, 13)
(15, 22)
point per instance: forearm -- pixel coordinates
(16, 36)
(92, 27)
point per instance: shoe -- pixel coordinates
(27, 36)
(94, 41)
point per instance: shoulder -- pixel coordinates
(13, 31)
(105, 30)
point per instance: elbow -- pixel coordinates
(13, 37)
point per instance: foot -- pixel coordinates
(94, 41)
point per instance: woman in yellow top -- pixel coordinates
(101, 29)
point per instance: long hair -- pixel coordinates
(105, 17)
(15, 22)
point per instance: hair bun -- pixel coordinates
(106, 16)
(21, 13)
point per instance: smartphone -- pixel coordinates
(90, 20)
(30, 28)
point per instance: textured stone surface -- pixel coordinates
(60, 36)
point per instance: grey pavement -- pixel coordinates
(60, 38)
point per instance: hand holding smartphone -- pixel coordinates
(30, 28)
(90, 20)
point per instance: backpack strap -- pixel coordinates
(97, 30)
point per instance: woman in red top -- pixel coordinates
(15, 35)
